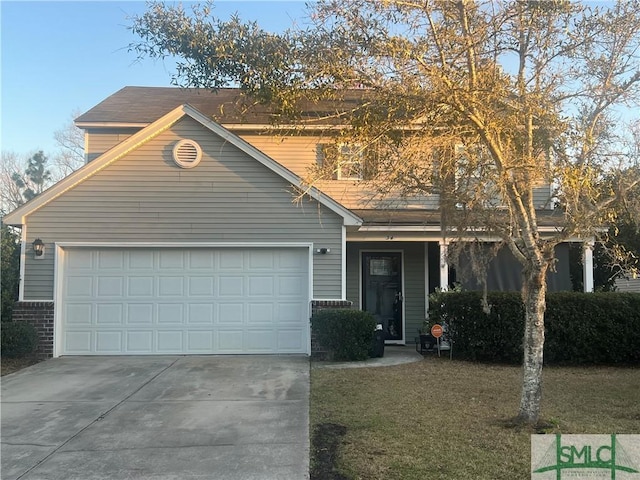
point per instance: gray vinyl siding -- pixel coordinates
(100, 140)
(145, 197)
(414, 279)
(631, 285)
(298, 152)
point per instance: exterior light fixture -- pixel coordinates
(38, 248)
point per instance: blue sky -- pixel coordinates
(58, 57)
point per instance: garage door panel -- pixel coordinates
(78, 313)
(260, 313)
(111, 260)
(170, 313)
(230, 313)
(261, 260)
(289, 313)
(109, 342)
(81, 260)
(260, 341)
(171, 286)
(140, 286)
(79, 286)
(140, 259)
(231, 260)
(201, 286)
(201, 260)
(78, 342)
(231, 286)
(109, 314)
(229, 341)
(110, 287)
(181, 300)
(139, 341)
(170, 341)
(290, 340)
(140, 314)
(290, 286)
(200, 341)
(171, 260)
(260, 286)
(201, 313)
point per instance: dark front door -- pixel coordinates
(382, 290)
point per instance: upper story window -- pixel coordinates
(345, 161)
(349, 162)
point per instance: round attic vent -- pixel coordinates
(187, 153)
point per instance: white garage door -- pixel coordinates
(190, 300)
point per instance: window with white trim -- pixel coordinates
(349, 162)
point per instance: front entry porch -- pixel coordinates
(393, 279)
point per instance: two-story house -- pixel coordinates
(185, 233)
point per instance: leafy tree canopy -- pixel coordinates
(481, 102)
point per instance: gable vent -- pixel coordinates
(187, 153)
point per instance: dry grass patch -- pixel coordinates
(442, 419)
(11, 365)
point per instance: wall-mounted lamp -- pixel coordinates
(323, 251)
(38, 248)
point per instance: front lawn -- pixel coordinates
(442, 419)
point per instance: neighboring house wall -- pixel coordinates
(414, 278)
(628, 285)
(542, 197)
(145, 197)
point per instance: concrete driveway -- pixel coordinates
(195, 417)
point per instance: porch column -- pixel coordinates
(444, 265)
(587, 266)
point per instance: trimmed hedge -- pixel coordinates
(18, 339)
(580, 328)
(347, 334)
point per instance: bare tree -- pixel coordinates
(10, 193)
(70, 140)
(478, 101)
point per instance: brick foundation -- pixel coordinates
(317, 352)
(40, 315)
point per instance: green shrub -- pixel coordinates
(594, 328)
(346, 334)
(580, 328)
(18, 339)
(493, 337)
(9, 271)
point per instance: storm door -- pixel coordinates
(382, 291)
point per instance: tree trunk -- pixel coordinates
(534, 298)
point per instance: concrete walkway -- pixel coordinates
(393, 355)
(159, 418)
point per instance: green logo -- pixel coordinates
(584, 456)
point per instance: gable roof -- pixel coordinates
(140, 106)
(17, 217)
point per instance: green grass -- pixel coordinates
(442, 419)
